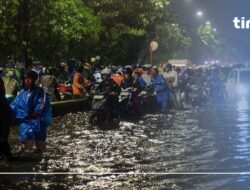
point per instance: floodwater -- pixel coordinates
(207, 140)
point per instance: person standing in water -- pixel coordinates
(32, 108)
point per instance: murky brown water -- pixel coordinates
(212, 139)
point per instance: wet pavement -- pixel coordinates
(207, 140)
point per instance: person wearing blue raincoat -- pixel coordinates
(160, 88)
(217, 88)
(33, 110)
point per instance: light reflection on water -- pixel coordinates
(212, 139)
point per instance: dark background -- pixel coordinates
(221, 14)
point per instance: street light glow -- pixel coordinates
(208, 23)
(199, 13)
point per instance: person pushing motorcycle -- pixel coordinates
(111, 90)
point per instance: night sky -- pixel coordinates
(221, 14)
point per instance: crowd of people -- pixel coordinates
(26, 93)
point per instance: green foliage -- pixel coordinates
(171, 40)
(117, 30)
(8, 26)
(129, 26)
(215, 46)
(207, 36)
(55, 29)
(68, 24)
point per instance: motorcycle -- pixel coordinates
(65, 92)
(103, 111)
(94, 89)
(195, 94)
(125, 102)
(148, 100)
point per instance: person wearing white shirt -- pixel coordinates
(171, 77)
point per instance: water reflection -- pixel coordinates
(211, 139)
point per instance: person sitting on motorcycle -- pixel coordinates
(63, 75)
(110, 89)
(128, 78)
(161, 89)
(98, 76)
(138, 85)
(147, 75)
(118, 78)
(88, 72)
(80, 83)
(50, 84)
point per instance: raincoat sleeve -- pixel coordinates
(76, 81)
(41, 102)
(159, 84)
(17, 107)
(142, 82)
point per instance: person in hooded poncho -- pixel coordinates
(33, 110)
(161, 90)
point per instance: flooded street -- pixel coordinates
(211, 139)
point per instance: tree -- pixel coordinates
(61, 29)
(117, 30)
(208, 37)
(128, 27)
(171, 41)
(9, 17)
(48, 30)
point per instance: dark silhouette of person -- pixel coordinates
(5, 122)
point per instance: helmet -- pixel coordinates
(139, 71)
(106, 71)
(48, 71)
(138, 66)
(147, 66)
(169, 66)
(93, 60)
(128, 70)
(87, 66)
(31, 74)
(9, 66)
(155, 68)
(62, 64)
(10, 73)
(120, 71)
(79, 69)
